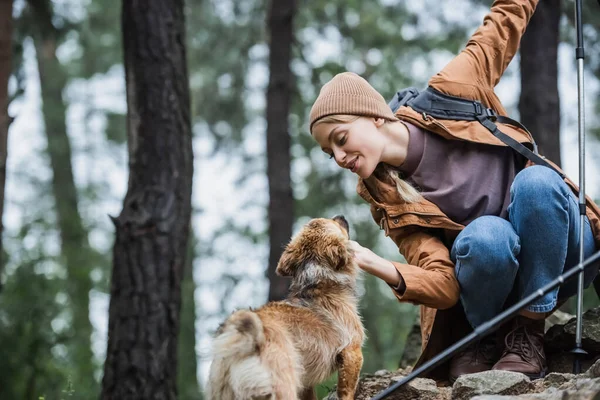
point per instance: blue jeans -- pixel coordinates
(496, 258)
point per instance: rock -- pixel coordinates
(490, 382)
(555, 395)
(579, 389)
(572, 387)
(420, 388)
(489, 385)
(562, 362)
(558, 317)
(584, 389)
(417, 389)
(594, 370)
(556, 380)
(562, 337)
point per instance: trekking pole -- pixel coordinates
(578, 351)
(489, 326)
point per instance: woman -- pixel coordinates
(474, 220)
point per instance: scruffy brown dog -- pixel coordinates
(283, 349)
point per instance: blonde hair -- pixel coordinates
(406, 191)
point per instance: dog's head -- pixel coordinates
(322, 243)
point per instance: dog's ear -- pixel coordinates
(337, 255)
(288, 262)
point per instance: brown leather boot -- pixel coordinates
(524, 348)
(478, 357)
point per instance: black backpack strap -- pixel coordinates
(403, 97)
(518, 147)
(442, 106)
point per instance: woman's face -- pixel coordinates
(357, 145)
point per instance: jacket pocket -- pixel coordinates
(399, 220)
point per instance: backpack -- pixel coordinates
(443, 106)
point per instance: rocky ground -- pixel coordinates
(559, 384)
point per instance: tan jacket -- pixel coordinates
(422, 232)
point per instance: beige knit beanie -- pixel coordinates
(348, 93)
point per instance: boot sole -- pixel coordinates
(536, 376)
(539, 375)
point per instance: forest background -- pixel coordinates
(245, 73)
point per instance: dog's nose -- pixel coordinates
(340, 219)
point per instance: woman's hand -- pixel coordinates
(365, 258)
(376, 265)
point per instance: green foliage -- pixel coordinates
(97, 39)
(66, 394)
(591, 25)
(114, 127)
(392, 43)
(39, 308)
(590, 300)
(32, 331)
(187, 383)
(220, 53)
(326, 387)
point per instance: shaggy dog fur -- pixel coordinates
(283, 349)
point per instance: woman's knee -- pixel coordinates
(536, 182)
(488, 246)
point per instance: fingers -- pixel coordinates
(355, 246)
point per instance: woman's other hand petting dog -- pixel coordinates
(283, 349)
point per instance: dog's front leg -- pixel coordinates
(350, 362)
(308, 394)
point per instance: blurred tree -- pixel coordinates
(153, 227)
(34, 314)
(74, 240)
(99, 35)
(281, 200)
(5, 72)
(539, 104)
(187, 365)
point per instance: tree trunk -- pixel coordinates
(539, 103)
(6, 28)
(74, 237)
(153, 227)
(281, 200)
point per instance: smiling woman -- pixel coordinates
(465, 210)
(366, 145)
(356, 141)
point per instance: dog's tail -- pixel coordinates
(237, 371)
(241, 336)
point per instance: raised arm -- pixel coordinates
(488, 51)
